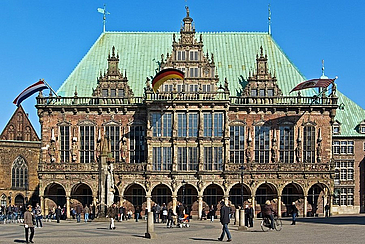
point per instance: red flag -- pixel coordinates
(313, 83)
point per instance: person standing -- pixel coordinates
(58, 213)
(224, 219)
(211, 213)
(86, 213)
(170, 215)
(327, 210)
(137, 212)
(112, 212)
(164, 213)
(294, 213)
(249, 216)
(38, 216)
(28, 224)
(78, 213)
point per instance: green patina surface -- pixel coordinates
(234, 56)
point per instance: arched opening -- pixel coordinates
(212, 195)
(55, 195)
(81, 194)
(19, 200)
(292, 193)
(188, 196)
(316, 202)
(265, 192)
(235, 195)
(135, 196)
(161, 194)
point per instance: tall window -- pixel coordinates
(162, 158)
(181, 125)
(65, 143)
(213, 158)
(194, 72)
(208, 124)
(262, 144)
(345, 196)
(236, 144)
(19, 173)
(193, 125)
(345, 171)
(156, 124)
(87, 143)
(167, 125)
(180, 55)
(113, 133)
(194, 55)
(137, 144)
(187, 158)
(286, 144)
(309, 144)
(218, 124)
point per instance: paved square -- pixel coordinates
(343, 229)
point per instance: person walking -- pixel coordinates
(28, 224)
(211, 213)
(327, 210)
(58, 213)
(38, 215)
(224, 219)
(86, 213)
(294, 213)
(170, 215)
(112, 212)
(164, 213)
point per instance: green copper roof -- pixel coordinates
(234, 56)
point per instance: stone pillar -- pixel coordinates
(226, 201)
(241, 224)
(148, 201)
(237, 217)
(200, 206)
(253, 204)
(305, 206)
(42, 205)
(68, 207)
(279, 206)
(150, 227)
(174, 203)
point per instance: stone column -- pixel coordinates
(174, 203)
(241, 224)
(279, 206)
(200, 206)
(253, 206)
(42, 205)
(68, 208)
(226, 200)
(148, 201)
(305, 206)
(237, 217)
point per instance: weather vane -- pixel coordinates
(104, 12)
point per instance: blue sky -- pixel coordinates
(47, 39)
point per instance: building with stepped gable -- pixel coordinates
(229, 131)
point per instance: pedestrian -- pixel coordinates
(78, 213)
(164, 213)
(86, 213)
(294, 213)
(268, 212)
(28, 224)
(211, 213)
(249, 216)
(170, 215)
(121, 213)
(112, 212)
(224, 219)
(137, 212)
(38, 215)
(157, 213)
(58, 213)
(327, 210)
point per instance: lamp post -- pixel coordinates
(183, 193)
(242, 168)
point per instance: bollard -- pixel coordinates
(241, 225)
(150, 234)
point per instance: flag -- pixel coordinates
(38, 86)
(312, 84)
(164, 75)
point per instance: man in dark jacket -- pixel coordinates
(294, 213)
(268, 212)
(224, 219)
(249, 216)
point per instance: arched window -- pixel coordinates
(19, 173)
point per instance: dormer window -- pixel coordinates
(194, 56)
(181, 55)
(336, 128)
(362, 127)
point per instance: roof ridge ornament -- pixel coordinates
(269, 20)
(104, 12)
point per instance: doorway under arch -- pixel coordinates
(235, 195)
(55, 195)
(81, 194)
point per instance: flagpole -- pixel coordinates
(50, 87)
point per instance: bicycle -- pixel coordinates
(265, 224)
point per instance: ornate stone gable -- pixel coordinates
(188, 56)
(113, 84)
(19, 128)
(262, 83)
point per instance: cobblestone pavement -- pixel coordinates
(343, 229)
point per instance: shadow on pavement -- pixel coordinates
(203, 239)
(337, 220)
(19, 241)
